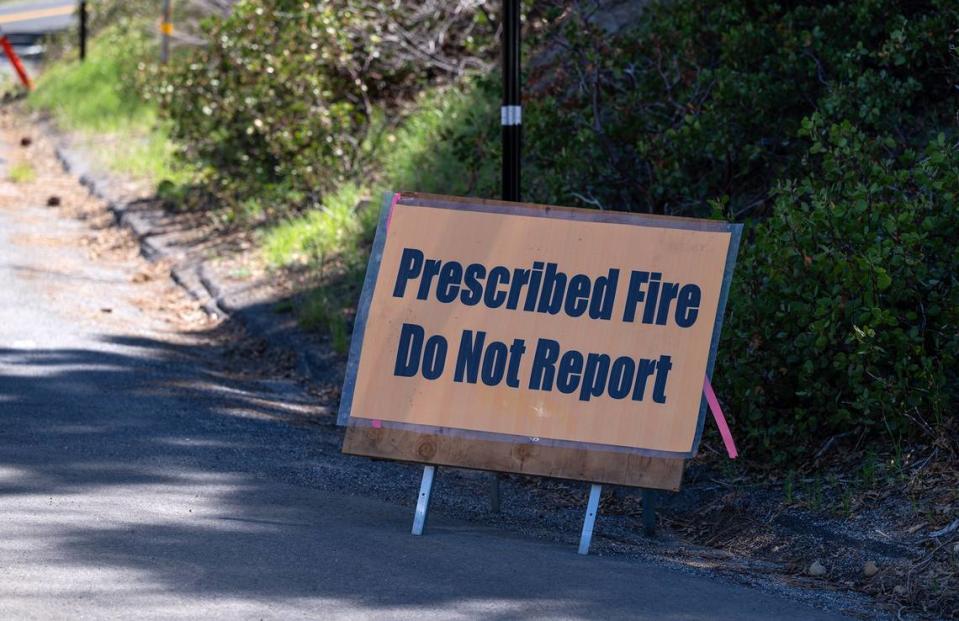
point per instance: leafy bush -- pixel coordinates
(698, 101)
(830, 128)
(845, 314)
(292, 97)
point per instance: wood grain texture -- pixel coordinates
(614, 468)
(585, 214)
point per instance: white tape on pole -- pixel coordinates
(511, 115)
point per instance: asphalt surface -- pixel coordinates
(39, 17)
(139, 481)
(26, 23)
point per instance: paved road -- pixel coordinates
(39, 17)
(25, 24)
(137, 481)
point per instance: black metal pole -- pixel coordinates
(511, 114)
(649, 512)
(511, 119)
(83, 29)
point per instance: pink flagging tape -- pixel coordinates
(389, 214)
(377, 424)
(720, 419)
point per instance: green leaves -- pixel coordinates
(288, 97)
(827, 127)
(863, 260)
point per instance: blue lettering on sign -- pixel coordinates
(650, 300)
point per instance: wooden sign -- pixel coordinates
(538, 340)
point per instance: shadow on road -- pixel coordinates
(135, 459)
(195, 480)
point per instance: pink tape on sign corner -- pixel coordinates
(389, 214)
(720, 419)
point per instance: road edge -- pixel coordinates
(192, 275)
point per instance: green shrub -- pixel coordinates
(698, 101)
(829, 128)
(845, 313)
(291, 98)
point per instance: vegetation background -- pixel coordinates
(828, 128)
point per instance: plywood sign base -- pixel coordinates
(614, 468)
(530, 458)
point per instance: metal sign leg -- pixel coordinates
(592, 507)
(494, 504)
(423, 502)
(649, 512)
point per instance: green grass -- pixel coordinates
(333, 229)
(419, 155)
(422, 154)
(22, 172)
(325, 311)
(95, 94)
(416, 156)
(336, 230)
(97, 98)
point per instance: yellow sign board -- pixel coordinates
(519, 323)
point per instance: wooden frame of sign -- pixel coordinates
(438, 421)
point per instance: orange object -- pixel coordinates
(15, 61)
(628, 306)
